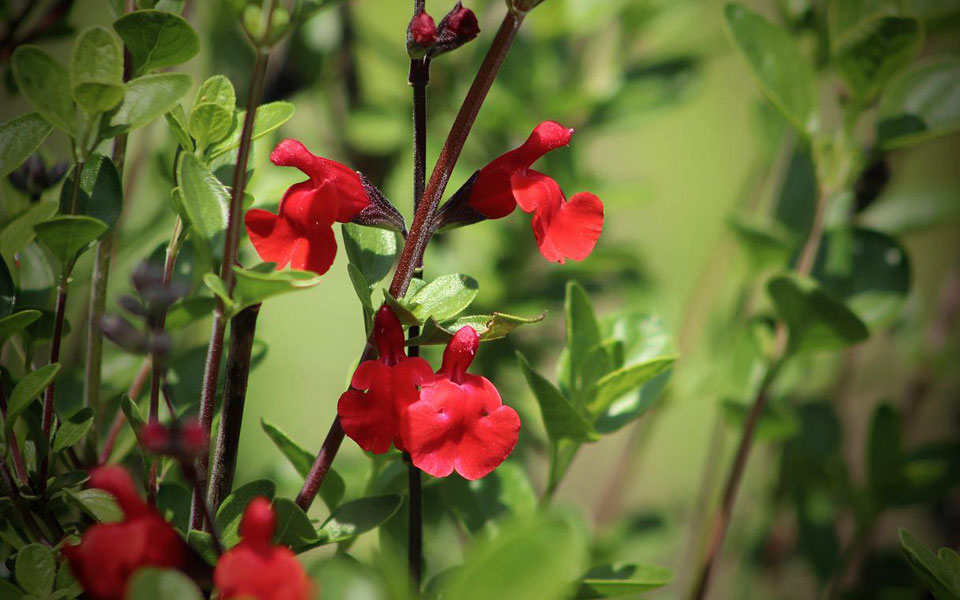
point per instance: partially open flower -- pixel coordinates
(109, 553)
(460, 423)
(563, 229)
(421, 34)
(257, 569)
(372, 418)
(457, 27)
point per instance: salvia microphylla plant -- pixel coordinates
(107, 497)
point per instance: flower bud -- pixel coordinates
(457, 27)
(119, 331)
(33, 176)
(421, 35)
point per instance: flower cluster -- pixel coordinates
(447, 421)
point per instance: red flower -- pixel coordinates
(255, 568)
(460, 423)
(302, 233)
(109, 553)
(372, 419)
(563, 229)
(422, 30)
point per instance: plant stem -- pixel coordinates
(48, 395)
(422, 227)
(12, 443)
(415, 535)
(242, 329)
(211, 371)
(14, 494)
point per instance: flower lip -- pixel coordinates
(388, 335)
(459, 353)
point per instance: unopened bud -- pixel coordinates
(421, 35)
(155, 437)
(119, 331)
(33, 176)
(457, 27)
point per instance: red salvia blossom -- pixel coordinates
(301, 234)
(460, 422)
(257, 569)
(372, 419)
(109, 553)
(563, 229)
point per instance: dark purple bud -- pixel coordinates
(32, 177)
(421, 35)
(119, 331)
(132, 305)
(147, 278)
(457, 27)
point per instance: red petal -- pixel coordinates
(305, 206)
(368, 419)
(531, 188)
(273, 573)
(271, 236)
(568, 229)
(338, 183)
(315, 253)
(117, 482)
(488, 443)
(428, 429)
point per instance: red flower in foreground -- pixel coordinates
(372, 419)
(109, 553)
(302, 233)
(564, 229)
(460, 423)
(255, 568)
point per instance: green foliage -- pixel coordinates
(614, 581)
(46, 84)
(490, 327)
(921, 104)
(100, 193)
(161, 584)
(26, 391)
(96, 70)
(256, 285)
(211, 117)
(940, 572)
(70, 235)
(157, 39)
(11, 325)
(146, 98)
(816, 320)
(205, 201)
(231, 509)
(35, 570)
(73, 429)
(269, 118)
(356, 517)
(333, 487)
(19, 138)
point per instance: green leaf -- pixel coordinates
(18, 234)
(923, 103)
(489, 570)
(8, 591)
(132, 412)
(613, 581)
(35, 570)
(765, 245)
(17, 322)
(866, 269)
(212, 116)
(269, 118)
(490, 327)
(294, 528)
(371, 250)
(96, 70)
(46, 84)
(146, 98)
(73, 429)
(19, 138)
(69, 235)
(231, 510)
(187, 311)
(157, 39)
(816, 320)
(99, 504)
(401, 308)
(353, 518)
(785, 76)
(582, 333)
(621, 381)
(177, 119)
(876, 53)
(562, 419)
(940, 576)
(206, 201)
(777, 422)
(100, 194)
(148, 583)
(202, 542)
(26, 391)
(444, 298)
(254, 285)
(333, 487)
(884, 459)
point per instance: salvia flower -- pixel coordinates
(109, 553)
(563, 229)
(380, 391)
(421, 34)
(301, 235)
(460, 423)
(257, 569)
(457, 27)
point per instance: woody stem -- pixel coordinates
(423, 221)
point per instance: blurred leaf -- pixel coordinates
(353, 518)
(11, 325)
(206, 201)
(173, 502)
(202, 543)
(490, 327)
(923, 103)
(561, 418)
(157, 39)
(35, 570)
(444, 298)
(69, 235)
(96, 70)
(147, 98)
(375, 132)
(46, 84)
(582, 332)
(132, 412)
(26, 391)
(269, 118)
(613, 581)
(873, 48)
(148, 583)
(8, 591)
(786, 76)
(798, 194)
(371, 250)
(938, 573)
(19, 232)
(868, 270)
(73, 429)
(19, 138)
(477, 504)
(617, 383)
(187, 311)
(764, 245)
(8, 297)
(489, 570)
(816, 320)
(231, 509)
(100, 194)
(294, 528)
(777, 422)
(333, 487)
(99, 504)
